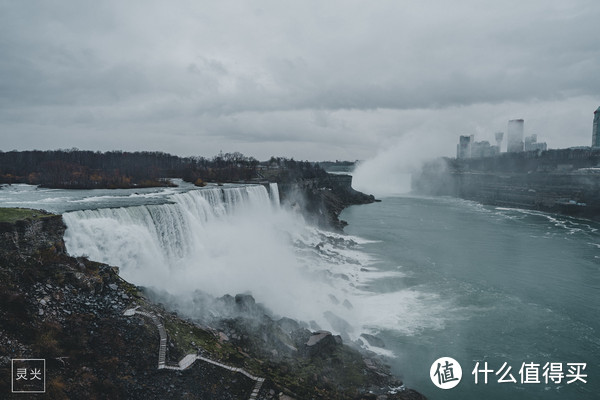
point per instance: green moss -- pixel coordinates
(182, 335)
(132, 291)
(12, 215)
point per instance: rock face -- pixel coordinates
(322, 344)
(323, 199)
(573, 192)
(69, 312)
(28, 236)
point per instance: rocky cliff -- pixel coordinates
(323, 199)
(103, 339)
(30, 230)
(541, 186)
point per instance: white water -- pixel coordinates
(236, 239)
(229, 241)
(526, 289)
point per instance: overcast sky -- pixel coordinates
(335, 79)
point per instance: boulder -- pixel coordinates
(245, 303)
(372, 340)
(322, 343)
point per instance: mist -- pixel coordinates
(389, 172)
(211, 243)
(225, 243)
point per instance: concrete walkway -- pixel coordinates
(189, 359)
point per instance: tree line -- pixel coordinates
(79, 169)
(74, 168)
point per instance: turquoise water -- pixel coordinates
(432, 277)
(504, 285)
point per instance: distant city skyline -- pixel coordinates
(469, 147)
(311, 80)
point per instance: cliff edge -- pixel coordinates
(102, 338)
(534, 183)
(323, 199)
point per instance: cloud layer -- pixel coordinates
(310, 79)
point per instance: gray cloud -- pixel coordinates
(336, 79)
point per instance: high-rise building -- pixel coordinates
(467, 147)
(531, 144)
(483, 149)
(463, 148)
(514, 135)
(596, 129)
(499, 137)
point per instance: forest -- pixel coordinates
(84, 169)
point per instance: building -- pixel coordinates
(483, 149)
(531, 144)
(596, 129)
(515, 136)
(499, 137)
(463, 148)
(467, 147)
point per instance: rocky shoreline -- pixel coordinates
(70, 311)
(323, 199)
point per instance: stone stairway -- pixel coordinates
(189, 359)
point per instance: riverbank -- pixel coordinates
(575, 192)
(70, 311)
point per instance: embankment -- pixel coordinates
(574, 192)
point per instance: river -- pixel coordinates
(491, 285)
(430, 277)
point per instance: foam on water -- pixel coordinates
(229, 240)
(239, 239)
(64, 200)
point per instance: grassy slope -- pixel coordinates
(11, 215)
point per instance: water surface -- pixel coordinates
(496, 285)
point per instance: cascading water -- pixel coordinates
(227, 241)
(274, 192)
(190, 245)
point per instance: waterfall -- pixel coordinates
(274, 193)
(224, 240)
(140, 237)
